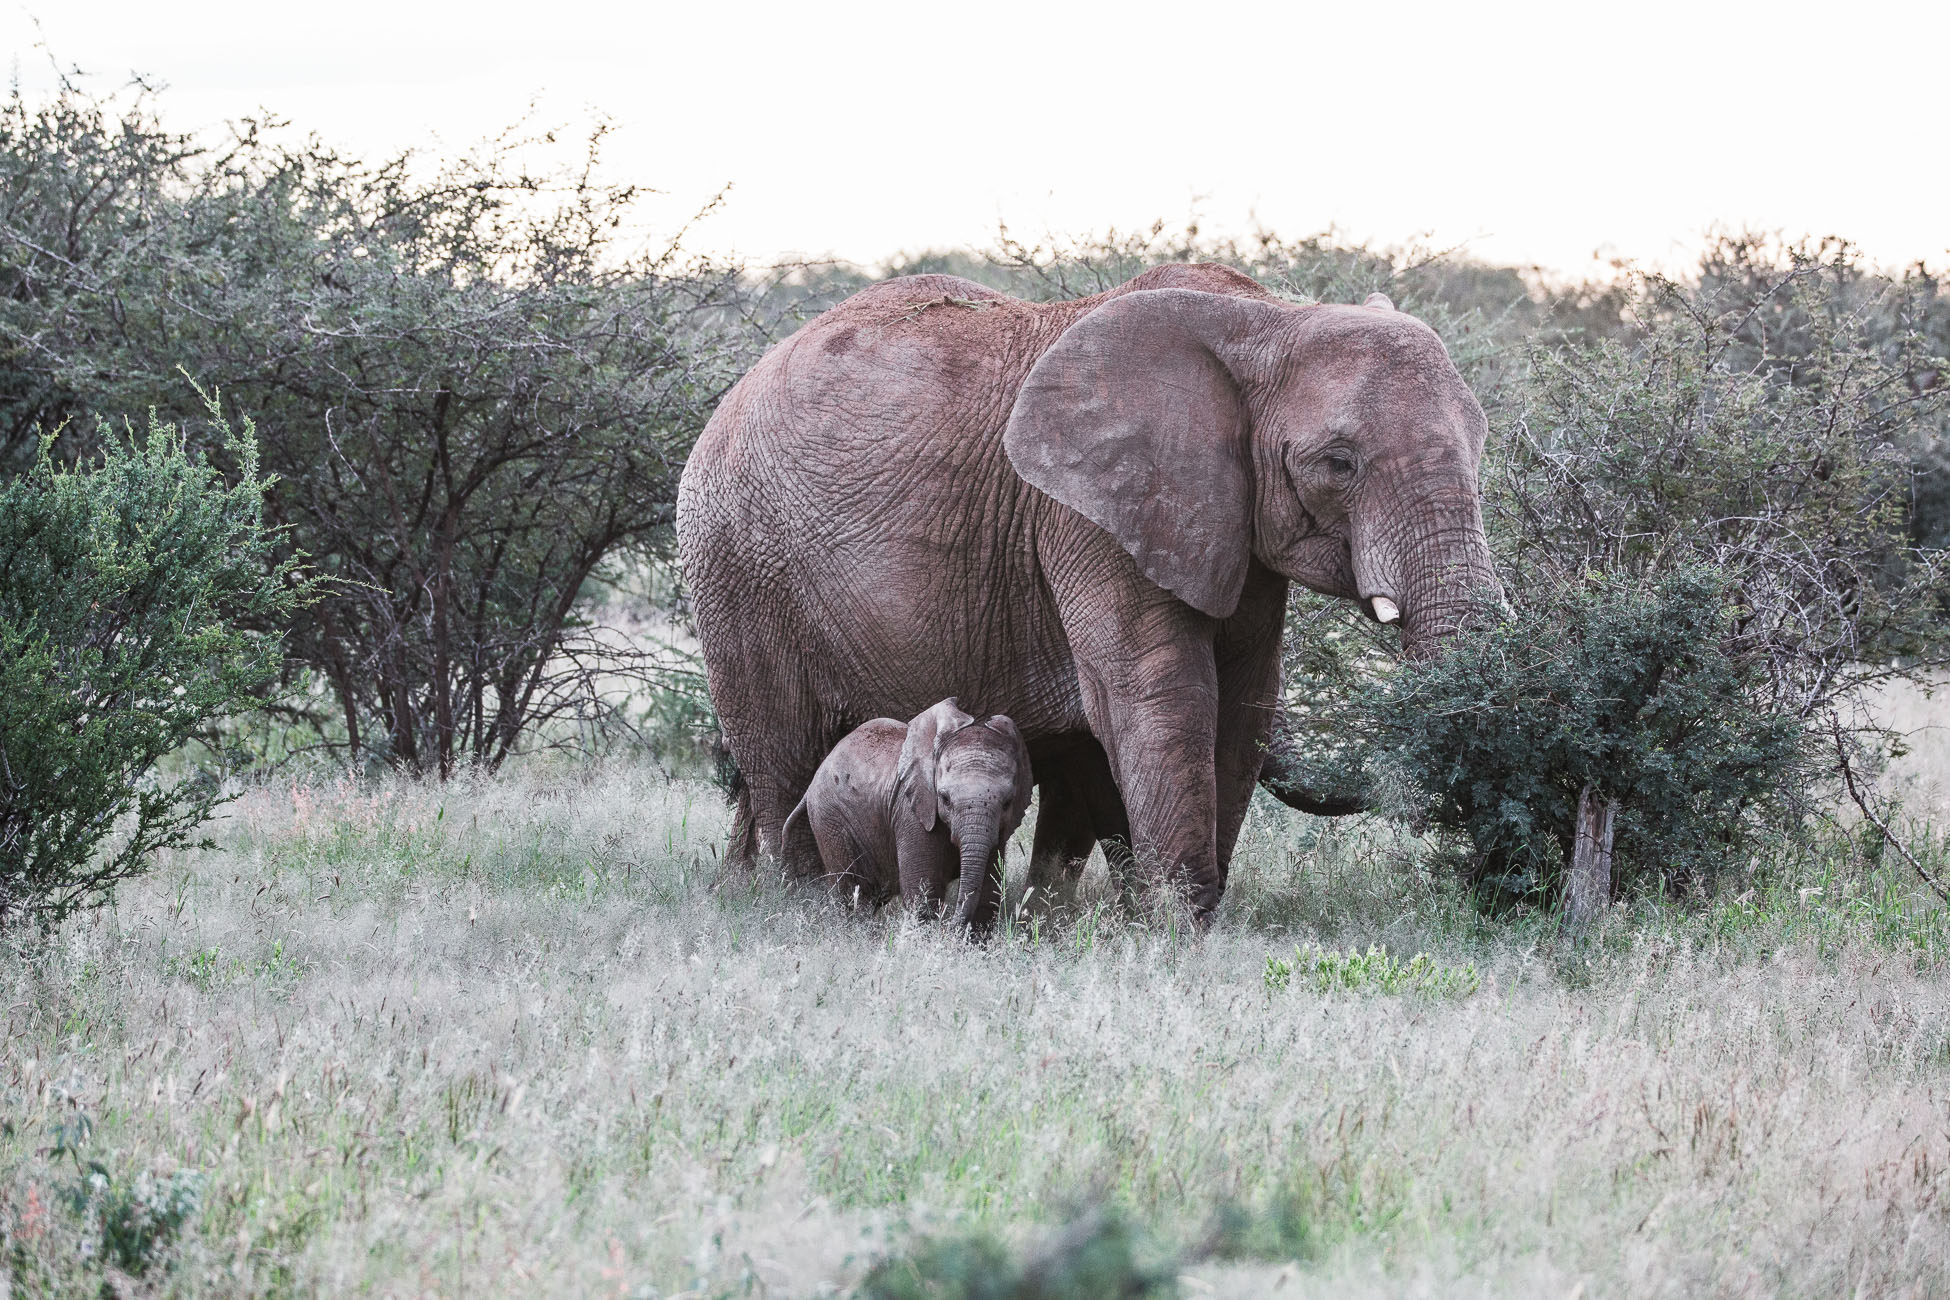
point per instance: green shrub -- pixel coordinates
(136, 1221)
(1282, 1230)
(122, 586)
(1640, 693)
(134, 1224)
(1094, 1257)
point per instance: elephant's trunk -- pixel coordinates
(1431, 561)
(1309, 789)
(1446, 600)
(976, 834)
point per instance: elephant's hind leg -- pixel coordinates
(1063, 840)
(778, 736)
(741, 850)
(1078, 807)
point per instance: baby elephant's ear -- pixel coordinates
(1005, 726)
(921, 754)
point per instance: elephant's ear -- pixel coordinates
(1005, 726)
(1134, 419)
(921, 755)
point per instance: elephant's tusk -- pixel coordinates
(1385, 610)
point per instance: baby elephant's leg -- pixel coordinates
(927, 865)
(844, 867)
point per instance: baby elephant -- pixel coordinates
(896, 807)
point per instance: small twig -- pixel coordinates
(1888, 836)
(914, 309)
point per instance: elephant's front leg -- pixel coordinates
(1161, 734)
(927, 863)
(1247, 655)
(1150, 691)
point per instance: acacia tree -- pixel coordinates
(1764, 425)
(470, 388)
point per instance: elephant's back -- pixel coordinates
(858, 470)
(865, 403)
(860, 769)
(919, 365)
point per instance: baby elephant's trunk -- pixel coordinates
(975, 832)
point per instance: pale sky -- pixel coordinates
(1528, 133)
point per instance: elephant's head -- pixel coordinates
(1336, 444)
(972, 776)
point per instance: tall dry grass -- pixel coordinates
(521, 1037)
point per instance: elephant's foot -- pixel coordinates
(741, 851)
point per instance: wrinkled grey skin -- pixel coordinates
(1082, 514)
(909, 808)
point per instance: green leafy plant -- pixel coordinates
(1645, 696)
(1283, 1230)
(1376, 970)
(132, 1224)
(125, 583)
(137, 1221)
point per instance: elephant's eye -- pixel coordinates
(1339, 464)
(947, 800)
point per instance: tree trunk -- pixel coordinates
(1588, 892)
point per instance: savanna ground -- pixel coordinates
(522, 1036)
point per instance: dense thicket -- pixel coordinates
(1767, 424)
(125, 585)
(470, 391)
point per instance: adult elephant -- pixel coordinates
(1082, 514)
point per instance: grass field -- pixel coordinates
(519, 1037)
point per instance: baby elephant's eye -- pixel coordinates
(947, 799)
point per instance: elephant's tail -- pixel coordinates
(798, 813)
